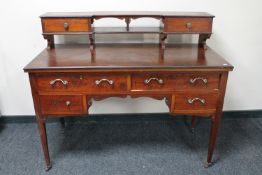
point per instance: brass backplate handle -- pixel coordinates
(192, 100)
(97, 82)
(193, 80)
(158, 80)
(64, 82)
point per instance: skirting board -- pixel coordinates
(130, 117)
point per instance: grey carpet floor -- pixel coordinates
(132, 148)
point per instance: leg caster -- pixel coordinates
(208, 164)
(43, 137)
(48, 167)
(212, 139)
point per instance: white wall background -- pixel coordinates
(237, 36)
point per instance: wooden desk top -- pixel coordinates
(127, 56)
(125, 13)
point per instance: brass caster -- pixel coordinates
(208, 164)
(48, 167)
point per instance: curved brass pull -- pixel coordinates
(64, 82)
(193, 80)
(111, 82)
(159, 80)
(66, 25)
(189, 25)
(191, 101)
(68, 103)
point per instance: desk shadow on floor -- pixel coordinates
(93, 137)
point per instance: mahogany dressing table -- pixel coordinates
(65, 79)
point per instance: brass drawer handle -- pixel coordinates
(193, 80)
(159, 80)
(111, 82)
(189, 25)
(68, 103)
(66, 25)
(64, 82)
(191, 101)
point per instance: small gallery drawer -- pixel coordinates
(195, 101)
(197, 81)
(52, 25)
(152, 81)
(61, 104)
(75, 82)
(188, 25)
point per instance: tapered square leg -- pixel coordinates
(212, 139)
(42, 131)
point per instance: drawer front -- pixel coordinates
(52, 25)
(197, 81)
(61, 82)
(73, 82)
(197, 25)
(108, 83)
(152, 81)
(176, 81)
(61, 104)
(195, 101)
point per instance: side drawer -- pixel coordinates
(61, 104)
(194, 25)
(152, 81)
(52, 25)
(191, 102)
